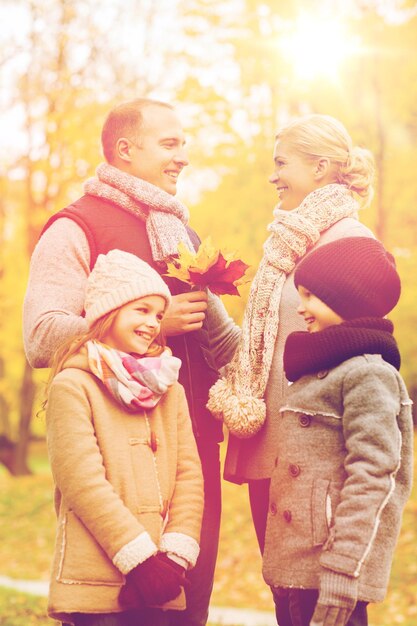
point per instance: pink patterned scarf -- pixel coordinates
(136, 383)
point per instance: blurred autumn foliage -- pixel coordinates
(228, 68)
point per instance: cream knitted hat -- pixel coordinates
(118, 278)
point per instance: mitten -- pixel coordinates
(155, 581)
(129, 597)
(162, 556)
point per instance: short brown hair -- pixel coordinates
(124, 120)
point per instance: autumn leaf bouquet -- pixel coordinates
(219, 271)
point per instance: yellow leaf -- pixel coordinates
(185, 256)
(206, 256)
(181, 273)
(229, 255)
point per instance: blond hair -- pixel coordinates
(125, 120)
(97, 331)
(323, 136)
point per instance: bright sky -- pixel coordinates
(316, 44)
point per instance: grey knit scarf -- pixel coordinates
(237, 398)
(165, 217)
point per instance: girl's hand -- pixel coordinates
(154, 582)
(129, 597)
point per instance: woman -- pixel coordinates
(322, 180)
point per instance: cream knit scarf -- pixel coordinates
(165, 216)
(237, 398)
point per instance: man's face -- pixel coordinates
(159, 155)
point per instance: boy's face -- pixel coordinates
(317, 315)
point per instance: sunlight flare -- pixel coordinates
(318, 46)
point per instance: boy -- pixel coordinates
(343, 469)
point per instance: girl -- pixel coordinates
(343, 469)
(129, 491)
(322, 179)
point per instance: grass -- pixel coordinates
(18, 609)
(27, 536)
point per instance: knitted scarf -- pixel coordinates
(308, 353)
(165, 217)
(237, 398)
(136, 383)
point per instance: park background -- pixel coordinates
(236, 70)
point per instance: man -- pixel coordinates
(130, 205)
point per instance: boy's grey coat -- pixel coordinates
(343, 473)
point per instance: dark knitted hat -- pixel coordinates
(354, 276)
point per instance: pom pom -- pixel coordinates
(243, 415)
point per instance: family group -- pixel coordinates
(147, 374)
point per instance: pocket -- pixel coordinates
(321, 511)
(82, 558)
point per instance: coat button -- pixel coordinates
(294, 470)
(322, 373)
(304, 420)
(287, 515)
(273, 508)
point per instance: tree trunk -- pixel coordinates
(4, 405)
(27, 395)
(7, 453)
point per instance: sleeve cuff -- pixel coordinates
(134, 552)
(180, 545)
(337, 590)
(178, 559)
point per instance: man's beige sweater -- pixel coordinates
(54, 301)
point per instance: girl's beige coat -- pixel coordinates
(111, 487)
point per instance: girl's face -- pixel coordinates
(293, 176)
(136, 325)
(317, 315)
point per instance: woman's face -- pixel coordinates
(293, 176)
